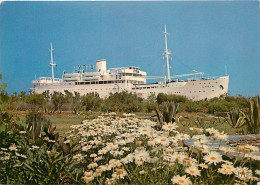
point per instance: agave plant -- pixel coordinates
(253, 116)
(168, 113)
(236, 118)
(39, 126)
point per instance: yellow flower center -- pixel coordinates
(228, 167)
(181, 181)
(213, 158)
(192, 171)
(163, 139)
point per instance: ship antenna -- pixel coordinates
(166, 53)
(52, 65)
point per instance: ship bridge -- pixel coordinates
(129, 74)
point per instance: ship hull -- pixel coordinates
(194, 90)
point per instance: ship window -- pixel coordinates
(148, 87)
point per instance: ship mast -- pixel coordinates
(52, 65)
(166, 53)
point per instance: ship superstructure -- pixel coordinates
(131, 79)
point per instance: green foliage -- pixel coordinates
(221, 104)
(58, 101)
(151, 98)
(50, 167)
(190, 106)
(252, 118)
(168, 113)
(35, 101)
(3, 95)
(123, 102)
(161, 97)
(91, 102)
(236, 118)
(43, 162)
(150, 106)
(39, 127)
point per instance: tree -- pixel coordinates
(91, 102)
(76, 102)
(3, 95)
(35, 101)
(58, 101)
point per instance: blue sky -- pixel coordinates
(204, 36)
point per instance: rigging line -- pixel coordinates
(179, 61)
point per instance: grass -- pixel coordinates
(63, 124)
(66, 119)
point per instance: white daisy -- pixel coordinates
(213, 157)
(194, 171)
(181, 180)
(243, 173)
(182, 136)
(170, 126)
(88, 176)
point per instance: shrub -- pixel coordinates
(161, 97)
(91, 102)
(253, 116)
(123, 102)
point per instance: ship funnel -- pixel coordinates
(101, 66)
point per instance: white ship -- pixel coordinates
(132, 80)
